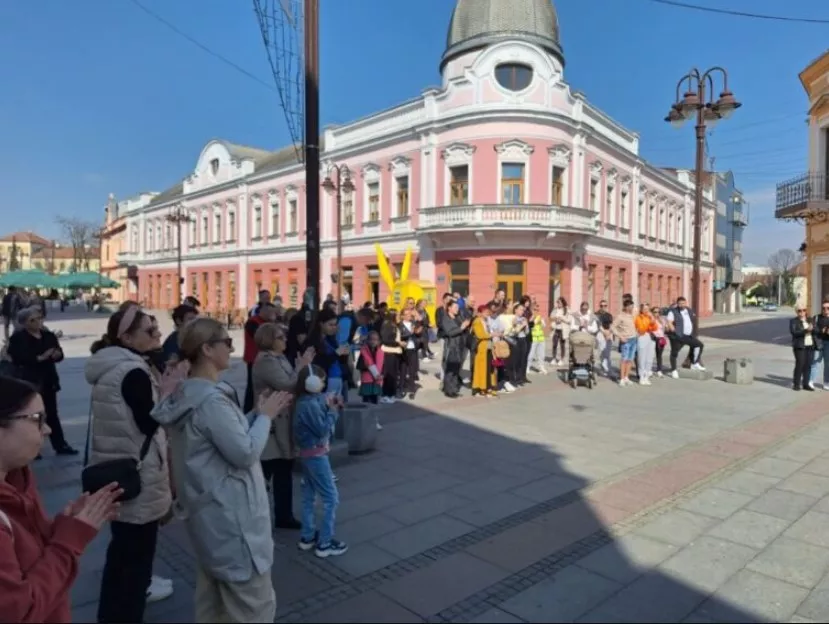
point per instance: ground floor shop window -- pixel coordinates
(511, 277)
(555, 284)
(459, 277)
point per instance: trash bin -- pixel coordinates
(360, 427)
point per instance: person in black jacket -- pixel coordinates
(821, 323)
(803, 345)
(453, 328)
(410, 333)
(330, 356)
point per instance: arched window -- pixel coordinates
(514, 76)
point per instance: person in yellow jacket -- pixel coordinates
(538, 341)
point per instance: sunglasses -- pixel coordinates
(38, 417)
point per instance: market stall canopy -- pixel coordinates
(86, 279)
(29, 279)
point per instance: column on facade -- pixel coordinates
(242, 216)
(576, 265)
(426, 260)
(579, 177)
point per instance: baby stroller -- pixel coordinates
(582, 366)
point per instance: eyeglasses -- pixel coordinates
(602, 305)
(38, 417)
(228, 342)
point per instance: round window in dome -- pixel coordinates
(514, 76)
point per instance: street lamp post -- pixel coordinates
(343, 184)
(178, 216)
(699, 100)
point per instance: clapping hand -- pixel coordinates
(306, 358)
(271, 404)
(96, 509)
(334, 401)
(173, 375)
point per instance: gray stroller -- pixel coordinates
(582, 364)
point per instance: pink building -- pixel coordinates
(503, 177)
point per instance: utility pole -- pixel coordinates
(312, 153)
(177, 217)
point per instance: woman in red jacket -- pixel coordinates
(39, 556)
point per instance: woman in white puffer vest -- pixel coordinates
(124, 392)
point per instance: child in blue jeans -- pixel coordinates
(314, 418)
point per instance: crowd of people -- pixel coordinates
(169, 439)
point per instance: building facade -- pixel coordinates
(19, 251)
(731, 220)
(114, 241)
(806, 198)
(503, 177)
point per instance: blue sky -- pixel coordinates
(99, 97)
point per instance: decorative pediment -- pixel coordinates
(560, 155)
(216, 206)
(458, 154)
(514, 148)
(625, 183)
(612, 174)
(400, 166)
(370, 172)
(290, 192)
(596, 168)
(273, 194)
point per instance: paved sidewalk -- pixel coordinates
(684, 501)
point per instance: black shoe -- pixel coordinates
(39, 456)
(796, 388)
(291, 524)
(808, 388)
(66, 450)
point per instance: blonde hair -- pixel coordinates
(265, 336)
(197, 333)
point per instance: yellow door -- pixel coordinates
(511, 277)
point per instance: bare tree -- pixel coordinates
(783, 265)
(81, 236)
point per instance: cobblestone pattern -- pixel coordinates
(474, 605)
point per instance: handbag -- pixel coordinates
(125, 471)
(500, 349)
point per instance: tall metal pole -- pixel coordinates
(179, 276)
(312, 151)
(700, 172)
(339, 238)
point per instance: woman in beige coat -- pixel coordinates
(272, 372)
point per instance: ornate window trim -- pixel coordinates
(560, 156)
(400, 166)
(514, 148)
(515, 152)
(457, 155)
(372, 174)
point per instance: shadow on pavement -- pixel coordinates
(448, 520)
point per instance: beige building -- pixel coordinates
(17, 250)
(805, 199)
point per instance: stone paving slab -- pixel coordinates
(543, 487)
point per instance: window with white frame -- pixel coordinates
(402, 183)
(148, 235)
(671, 228)
(512, 183)
(168, 236)
(680, 234)
(274, 231)
(134, 239)
(557, 195)
(652, 221)
(373, 201)
(257, 221)
(205, 231)
(459, 185)
(610, 202)
(624, 213)
(191, 232)
(347, 209)
(217, 227)
(594, 195)
(662, 225)
(231, 225)
(293, 216)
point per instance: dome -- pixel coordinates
(478, 23)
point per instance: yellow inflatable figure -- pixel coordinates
(401, 288)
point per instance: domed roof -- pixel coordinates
(479, 23)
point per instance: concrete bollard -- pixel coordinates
(738, 371)
(360, 427)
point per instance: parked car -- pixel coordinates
(770, 307)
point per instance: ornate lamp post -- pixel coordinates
(341, 183)
(699, 100)
(178, 216)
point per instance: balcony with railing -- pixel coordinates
(127, 257)
(509, 216)
(802, 196)
(740, 217)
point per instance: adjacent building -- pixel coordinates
(806, 198)
(502, 177)
(19, 251)
(732, 218)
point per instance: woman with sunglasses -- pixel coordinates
(221, 493)
(273, 372)
(803, 345)
(35, 351)
(125, 390)
(40, 556)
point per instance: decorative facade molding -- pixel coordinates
(290, 192)
(400, 166)
(458, 154)
(370, 172)
(611, 176)
(560, 155)
(596, 168)
(514, 148)
(625, 182)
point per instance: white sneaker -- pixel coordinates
(160, 589)
(379, 427)
(659, 374)
(675, 374)
(698, 367)
(645, 382)
(508, 387)
(811, 385)
(543, 371)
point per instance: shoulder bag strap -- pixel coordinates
(145, 448)
(4, 520)
(88, 435)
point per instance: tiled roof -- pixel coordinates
(25, 237)
(64, 252)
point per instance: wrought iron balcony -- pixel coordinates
(739, 218)
(509, 216)
(803, 197)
